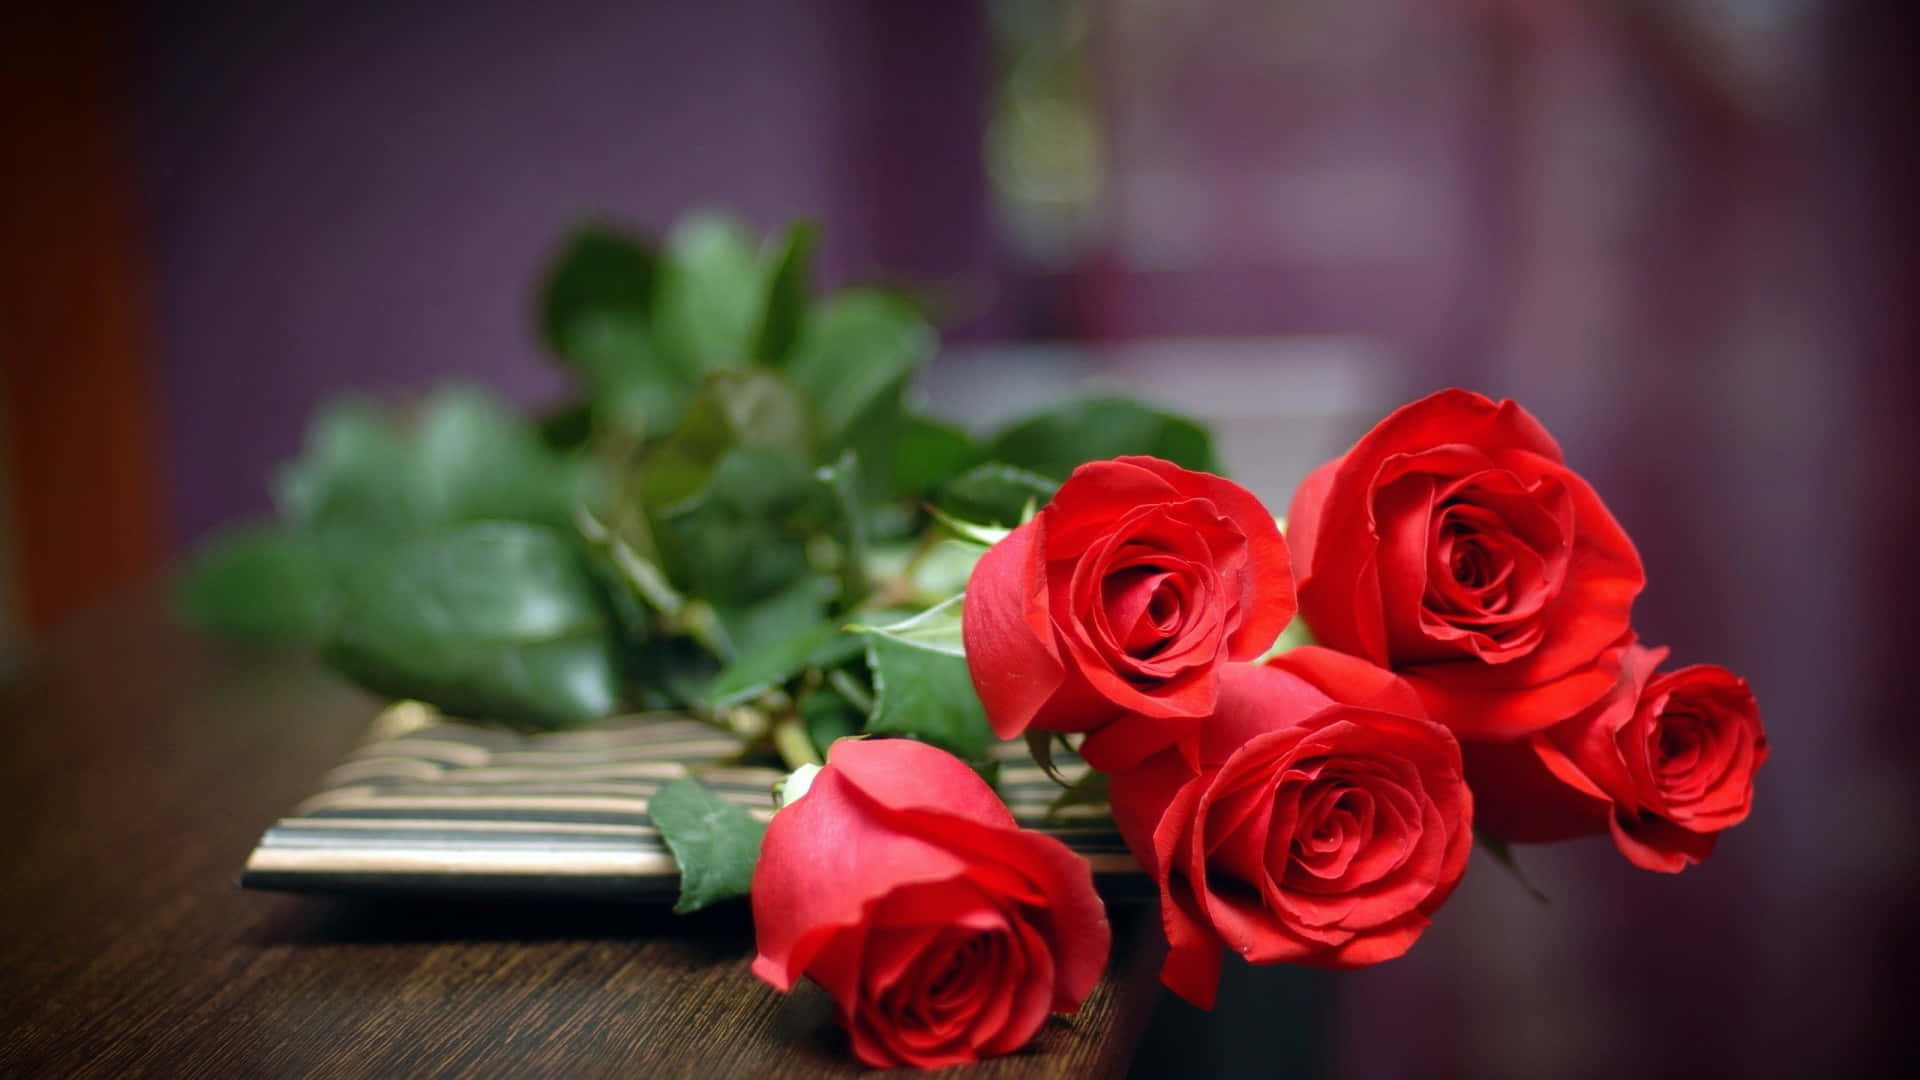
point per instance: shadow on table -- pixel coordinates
(373, 920)
(1268, 1021)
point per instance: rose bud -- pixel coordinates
(1326, 822)
(944, 932)
(1664, 762)
(1453, 545)
(1112, 611)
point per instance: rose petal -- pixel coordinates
(839, 954)
(1029, 1002)
(825, 860)
(1545, 638)
(902, 774)
(1304, 516)
(1121, 744)
(1140, 797)
(1518, 799)
(1267, 596)
(1077, 609)
(1350, 680)
(1081, 936)
(1654, 844)
(1365, 950)
(1595, 604)
(1461, 696)
(1097, 494)
(1192, 965)
(1233, 847)
(1255, 699)
(1344, 570)
(1141, 606)
(1008, 633)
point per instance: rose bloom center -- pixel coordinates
(1146, 606)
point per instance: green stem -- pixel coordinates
(850, 688)
(791, 741)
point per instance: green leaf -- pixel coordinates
(925, 572)
(475, 460)
(736, 473)
(828, 715)
(1040, 748)
(785, 640)
(745, 535)
(1053, 442)
(946, 567)
(983, 535)
(715, 842)
(709, 297)
(493, 620)
(854, 359)
(842, 478)
(786, 302)
(995, 492)
(928, 454)
(857, 348)
(670, 673)
(1089, 790)
(259, 581)
(758, 409)
(798, 608)
(365, 482)
(836, 650)
(757, 672)
(765, 411)
(637, 387)
(598, 314)
(355, 469)
(937, 629)
(566, 428)
(921, 685)
(602, 271)
(465, 458)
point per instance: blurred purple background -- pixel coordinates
(1681, 233)
(363, 194)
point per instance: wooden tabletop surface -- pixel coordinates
(146, 760)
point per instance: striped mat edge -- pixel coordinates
(433, 808)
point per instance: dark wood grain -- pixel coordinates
(145, 761)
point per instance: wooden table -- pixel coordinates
(145, 762)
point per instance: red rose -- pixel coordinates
(945, 933)
(1113, 609)
(1326, 821)
(1453, 545)
(1663, 762)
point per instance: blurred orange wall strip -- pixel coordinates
(75, 346)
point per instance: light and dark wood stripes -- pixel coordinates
(431, 807)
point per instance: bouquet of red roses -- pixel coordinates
(1472, 668)
(1301, 727)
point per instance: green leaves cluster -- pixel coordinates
(739, 513)
(431, 557)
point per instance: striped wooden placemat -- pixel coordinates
(430, 807)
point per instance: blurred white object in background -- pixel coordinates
(1277, 406)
